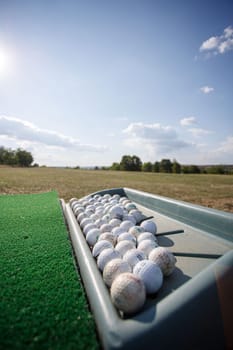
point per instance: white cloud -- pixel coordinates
(153, 139)
(219, 44)
(227, 146)
(188, 121)
(24, 131)
(206, 89)
(197, 132)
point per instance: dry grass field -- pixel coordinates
(215, 191)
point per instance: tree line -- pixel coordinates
(18, 157)
(134, 163)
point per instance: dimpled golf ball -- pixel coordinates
(130, 206)
(92, 236)
(126, 236)
(137, 214)
(117, 231)
(130, 218)
(164, 259)
(128, 293)
(123, 246)
(126, 224)
(116, 212)
(108, 236)
(147, 245)
(85, 221)
(113, 269)
(105, 256)
(100, 246)
(133, 256)
(151, 275)
(149, 226)
(115, 222)
(88, 227)
(146, 235)
(136, 230)
(105, 228)
(81, 216)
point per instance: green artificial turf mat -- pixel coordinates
(43, 303)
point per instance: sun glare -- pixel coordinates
(5, 63)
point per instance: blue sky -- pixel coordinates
(86, 82)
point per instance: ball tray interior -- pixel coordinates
(193, 309)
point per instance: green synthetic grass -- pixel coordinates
(43, 303)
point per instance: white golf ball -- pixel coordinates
(137, 214)
(126, 236)
(136, 230)
(85, 221)
(164, 258)
(117, 231)
(115, 222)
(151, 275)
(130, 206)
(92, 236)
(73, 200)
(123, 246)
(78, 210)
(81, 216)
(116, 196)
(147, 245)
(99, 222)
(105, 256)
(126, 225)
(108, 236)
(133, 256)
(88, 227)
(116, 212)
(105, 228)
(149, 226)
(100, 246)
(113, 269)
(128, 293)
(146, 235)
(130, 218)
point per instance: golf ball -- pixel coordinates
(128, 293)
(113, 269)
(164, 258)
(151, 275)
(149, 226)
(133, 256)
(147, 245)
(123, 246)
(105, 256)
(100, 246)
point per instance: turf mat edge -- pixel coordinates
(43, 303)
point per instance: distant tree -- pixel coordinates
(165, 166)
(155, 167)
(176, 167)
(216, 169)
(9, 157)
(147, 167)
(115, 166)
(15, 157)
(190, 169)
(2, 154)
(131, 163)
(23, 157)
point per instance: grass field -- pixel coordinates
(215, 191)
